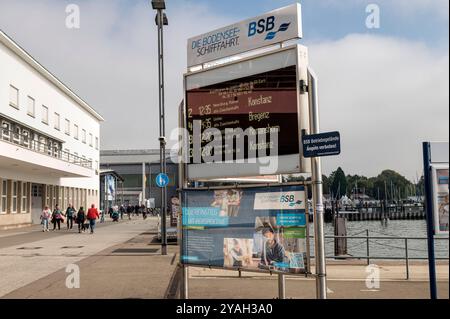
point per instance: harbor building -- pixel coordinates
(49, 141)
(138, 169)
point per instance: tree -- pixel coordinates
(338, 183)
(391, 185)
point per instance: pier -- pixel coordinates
(376, 213)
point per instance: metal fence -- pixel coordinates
(367, 239)
(47, 149)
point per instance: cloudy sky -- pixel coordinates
(385, 90)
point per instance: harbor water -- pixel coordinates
(385, 248)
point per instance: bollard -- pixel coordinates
(367, 247)
(407, 258)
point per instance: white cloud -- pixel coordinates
(386, 96)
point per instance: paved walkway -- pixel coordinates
(122, 261)
(25, 263)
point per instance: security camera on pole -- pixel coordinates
(161, 21)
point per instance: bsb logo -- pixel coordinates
(290, 199)
(266, 25)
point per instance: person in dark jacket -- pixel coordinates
(273, 252)
(81, 218)
(129, 211)
(70, 214)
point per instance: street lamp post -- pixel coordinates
(161, 21)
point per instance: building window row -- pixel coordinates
(63, 196)
(31, 111)
(18, 134)
(15, 197)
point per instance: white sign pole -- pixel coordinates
(321, 279)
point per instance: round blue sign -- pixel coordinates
(162, 180)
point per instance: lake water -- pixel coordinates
(385, 247)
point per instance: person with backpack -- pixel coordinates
(57, 217)
(92, 216)
(81, 218)
(45, 216)
(70, 214)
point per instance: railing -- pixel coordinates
(372, 239)
(50, 150)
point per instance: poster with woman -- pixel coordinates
(440, 197)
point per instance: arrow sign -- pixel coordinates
(324, 144)
(162, 180)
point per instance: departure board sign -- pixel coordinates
(265, 102)
(249, 228)
(245, 113)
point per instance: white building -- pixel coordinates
(49, 141)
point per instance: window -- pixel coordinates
(14, 192)
(83, 136)
(96, 143)
(75, 131)
(16, 135)
(4, 196)
(57, 126)
(13, 96)
(31, 107)
(24, 195)
(26, 138)
(6, 129)
(90, 140)
(44, 114)
(67, 127)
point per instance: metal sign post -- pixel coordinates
(321, 280)
(429, 214)
(162, 140)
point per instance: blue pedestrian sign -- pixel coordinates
(162, 180)
(324, 144)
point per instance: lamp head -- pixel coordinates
(158, 4)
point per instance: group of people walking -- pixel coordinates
(70, 216)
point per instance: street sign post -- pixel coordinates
(435, 154)
(162, 180)
(320, 145)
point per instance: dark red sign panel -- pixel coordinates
(265, 102)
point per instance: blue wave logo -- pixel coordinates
(271, 35)
(299, 202)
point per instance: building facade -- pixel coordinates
(139, 169)
(49, 141)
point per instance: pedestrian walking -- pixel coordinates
(57, 218)
(81, 219)
(70, 214)
(122, 211)
(129, 211)
(92, 216)
(45, 216)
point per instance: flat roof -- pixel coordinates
(25, 56)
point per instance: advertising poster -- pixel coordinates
(111, 187)
(251, 228)
(440, 196)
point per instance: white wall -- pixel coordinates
(14, 71)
